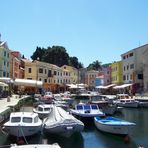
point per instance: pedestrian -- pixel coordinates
(140, 146)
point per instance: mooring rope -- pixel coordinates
(23, 135)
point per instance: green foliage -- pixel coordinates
(96, 65)
(56, 55)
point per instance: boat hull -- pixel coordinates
(21, 131)
(119, 129)
(64, 130)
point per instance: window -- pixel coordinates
(49, 73)
(4, 53)
(140, 76)
(7, 64)
(55, 73)
(127, 67)
(15, 119)
(29, 70)
(124, 77)
(45, 71)
(45, 80)
(4, 73)
(131, 54)
(27, 120)
(36, 119)
(132, 66)
(40, 70)
(124, 68)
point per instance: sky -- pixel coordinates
(88, 29)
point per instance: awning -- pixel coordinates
(3, 84)
(105, 87)
(26, 82)
(6, 80)
(122, 86)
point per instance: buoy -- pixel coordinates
(20, 141)
(126, 139)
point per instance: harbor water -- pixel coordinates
(93, 138)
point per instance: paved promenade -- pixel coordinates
(5, 103)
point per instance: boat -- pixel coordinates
(61, 123)
(43, 110)
(127, 103)
(114, 125)
(47, 98)
(22, 124)
(142, 102)
(103, 104)
(55, 145)
(124, 100)
(86, 110)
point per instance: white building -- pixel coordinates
(133, 65)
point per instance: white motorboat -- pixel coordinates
(86, 110)
(22, 124)
(62, 123)
(55, 145)
(124, 100)
(103, 104)
(43, 110)
(114, 125)
(127, 103)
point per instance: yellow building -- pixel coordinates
(53, 77)
(73, 73)
(116, 72)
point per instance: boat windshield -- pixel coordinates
(27, 120)
(86, 107)
(79, 107)
(40, 109)
(46, 109)
(94, 107)
(15, 119)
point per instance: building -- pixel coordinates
(54, 78)
(132, 65)
(145, 70)
(90, 78)
(73, 73)
(106, 75)
(4, 60)
(15, 61)
(116, 73)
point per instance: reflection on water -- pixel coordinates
(92, 138)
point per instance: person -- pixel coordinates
(140, 146)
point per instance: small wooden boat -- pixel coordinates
(114, 125)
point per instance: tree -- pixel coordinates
(56, 55)
(38, 54)
(96, 65)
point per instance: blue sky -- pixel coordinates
(89, 29)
